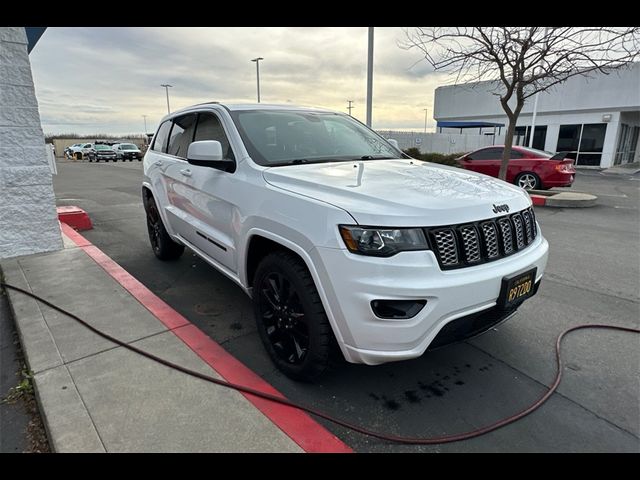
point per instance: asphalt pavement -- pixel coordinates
(592, 276)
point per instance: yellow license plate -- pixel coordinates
(517, 288)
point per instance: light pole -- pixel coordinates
(370, 78)
(257, 60)
(425, 119)
(350, 106)
(535, 100)
(533, 119)
(167, 87)
(145, 124)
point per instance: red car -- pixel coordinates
(528, 168)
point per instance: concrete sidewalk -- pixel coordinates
(98, 397)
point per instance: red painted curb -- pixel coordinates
(299, 426)
(74, 216)
(538, 200)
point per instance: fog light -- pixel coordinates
(397, 309)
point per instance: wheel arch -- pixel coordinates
(264, 240)
(147, 194)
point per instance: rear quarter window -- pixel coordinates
(160, 141)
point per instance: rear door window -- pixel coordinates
(182, 135)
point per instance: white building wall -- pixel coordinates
(620, 90)
(28, 220)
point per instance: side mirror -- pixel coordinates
(208, 153)
(394, 142)
(205, 151)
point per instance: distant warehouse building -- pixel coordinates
(596, 118)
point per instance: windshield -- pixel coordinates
(281, 137)
(128, 146)
(103, 147)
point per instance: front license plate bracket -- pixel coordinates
(517, 288)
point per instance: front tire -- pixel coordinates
(290, 317)
(161, 243)
(528, 181)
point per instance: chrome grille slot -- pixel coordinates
(490, 236)
(445, 241)
(470, 243)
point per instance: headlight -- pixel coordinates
(382, 242)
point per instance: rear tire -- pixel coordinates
(291, 320)
(161, 243)
(528, 181)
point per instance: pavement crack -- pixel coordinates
(115, 347)
(86, 408)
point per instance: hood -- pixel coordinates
(401, 192)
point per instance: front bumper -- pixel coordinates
(350, 282)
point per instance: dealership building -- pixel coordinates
(596, 119)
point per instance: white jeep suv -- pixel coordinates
(340, 239)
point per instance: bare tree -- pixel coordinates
(521, 61)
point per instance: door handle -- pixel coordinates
(186, 172)
(158, 163)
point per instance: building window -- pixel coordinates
(627, 144)
(521, 136)
(569, 138)
(583, 143)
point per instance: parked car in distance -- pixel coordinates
(102, 152)
(127, 151)
(528, 168)
(80, 151)
(339, 237)
(68, 152)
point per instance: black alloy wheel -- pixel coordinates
(283, 318)
(290, 317)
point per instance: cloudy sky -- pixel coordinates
(102, 80)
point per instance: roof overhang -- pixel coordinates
(33, 35)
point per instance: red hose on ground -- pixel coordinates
(356, 428)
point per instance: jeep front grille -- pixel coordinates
(458, 246)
